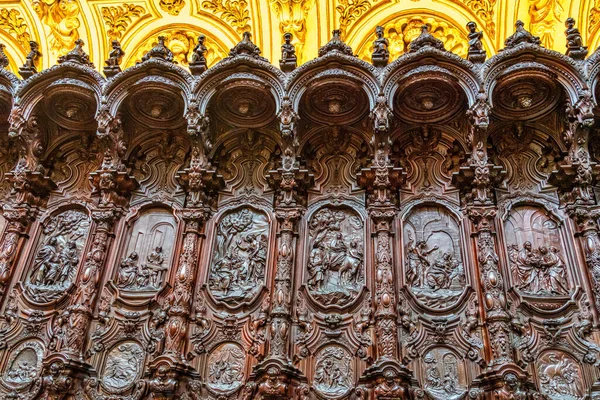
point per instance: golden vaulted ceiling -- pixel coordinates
(57, 24)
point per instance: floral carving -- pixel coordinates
(172, 7)
(11, 21)
(118, 18)
(62, 18)
(235, 12)
(350, 11)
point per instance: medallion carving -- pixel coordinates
(24, 365)
(237, 270)
(537, 263)
(334, 372)
(123, 366)
(335, 256)
(149, 252)
(444, 375)
(55, 263)
(433, 260)
(560, 376)
(226, 368)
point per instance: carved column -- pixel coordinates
(18, 221)
(381, 182)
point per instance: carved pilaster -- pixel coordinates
(18, 222)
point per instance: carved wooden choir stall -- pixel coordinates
(418, 228)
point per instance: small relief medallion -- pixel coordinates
(444, 375)
(534, 250)
(58, 255)
(240, 255)
(123, 366)
(433, 262)
(226, 368)
(334, 374)
(560, 376)
(24, 365)
(335, 263)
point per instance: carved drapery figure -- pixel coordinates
(381, 54)
(335, 260)
(288, 60)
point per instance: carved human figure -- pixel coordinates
(539, 270)
(442, 380)
(226, 368)
(333, 371)
(575, 47)
(417, 261)
(116, 54)
(381, 54)
(129, 271)
(476, 53)
(199, 51)
(123, 365)
(288, 51)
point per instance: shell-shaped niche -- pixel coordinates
(237, 268)
(535, 252)
(148, 252)
(123, 366)
(24, 364)
(559, 376)
(335, 256)
(433, 256)
(226, 368)
(444, 375)
(334, 372)
(57, 256)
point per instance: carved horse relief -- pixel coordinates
(57, 256)
(334, 373)
(123, 366)
(433, 260)
(534, 245)
(24, 365)
(226, 368)
(149, 252)
(560, 376)
(335, 256)
(237, 269)
(444, 377)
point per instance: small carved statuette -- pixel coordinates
(28, 69)
(198, 63)
(575, 47)
(476, 52)
(388, 386)
(77, 55)
(274, 385)
(288, 60)
(114, 60)
(3, 57)
(426, 39)
(381, 54)
(159, 51)
(521, 36)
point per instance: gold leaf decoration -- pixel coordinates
(62, 17)
(292, 18)
(181, 42)
(11, 21)
(233, 11)
(484, 10)
(172, 7)
(118, 18)
(545, 15)
(350, 11)
(594, 17)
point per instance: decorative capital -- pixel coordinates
(287, 120)
(112, 182)
(336, 45)
(200, 182)
(482, 217)
(290, 185)
(381, 116)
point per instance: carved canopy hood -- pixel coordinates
(415, 221)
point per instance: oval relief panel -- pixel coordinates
(57, 256)
(445, 376)
(226, 368)
(123, 366)
(334, 373)
(560, 376)
(237, 270)
(24, 364)
(336, 256)
(433, 258)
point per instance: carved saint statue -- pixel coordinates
(335, 256)
(381, 54)
(476, 53)
(288, 54)
(240, 256)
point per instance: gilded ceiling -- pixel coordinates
(57, 24)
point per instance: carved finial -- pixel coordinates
(288, 60)
(198, 63)
(159, 51)
(28, 69)
(575, 48)
(426, 39)
(3, 57)
(521, 36)
(77, 55)
(246, 48)
(336, 44)
(476, 52)
(114, 60)
(381, 54)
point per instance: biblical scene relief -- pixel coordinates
(239, 256)
(123, 366)
(560, 376)
(444, 375)
(335, 262)
(59, 252)
(534, 245)
(433, 263)
(24, 365)
(334, 374)
(226, 368)
(148, 252)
